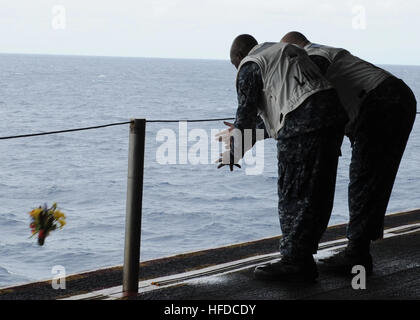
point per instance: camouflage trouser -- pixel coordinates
(379, 139)
(307, 168)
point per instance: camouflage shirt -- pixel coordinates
(250, 89)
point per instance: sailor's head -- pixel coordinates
(296, 38)
(240, 48)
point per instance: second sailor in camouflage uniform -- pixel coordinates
(379, 137)
(381, 110)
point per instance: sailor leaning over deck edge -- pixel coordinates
(382, 111)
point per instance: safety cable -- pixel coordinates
(110, 125)
(104, 126)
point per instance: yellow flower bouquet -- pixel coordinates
(44, 220)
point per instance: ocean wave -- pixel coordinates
(163, 238)
(8, 278)
(242, 198)
(4, 271)
(154, 184)
(10, 222)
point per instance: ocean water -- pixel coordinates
(186, 207)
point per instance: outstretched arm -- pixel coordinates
(249, 91)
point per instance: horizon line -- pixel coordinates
(105, 56)
(145, 57)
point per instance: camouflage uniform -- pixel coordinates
(379, 136)
(308, 150)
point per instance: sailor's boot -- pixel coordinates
(288, 269)
(356, 253)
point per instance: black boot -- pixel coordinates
(356, 253)
(288, 269)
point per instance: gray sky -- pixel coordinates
(377, 30)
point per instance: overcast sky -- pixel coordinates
(381, 31)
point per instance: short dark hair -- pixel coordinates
(242, 45)
(295, 37)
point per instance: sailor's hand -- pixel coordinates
(224, 136)
(222, 160)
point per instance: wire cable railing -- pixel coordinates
(111, 125)
(105, 126)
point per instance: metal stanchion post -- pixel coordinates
(134, 206)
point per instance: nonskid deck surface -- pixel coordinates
(227, 273)
(397, 275)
